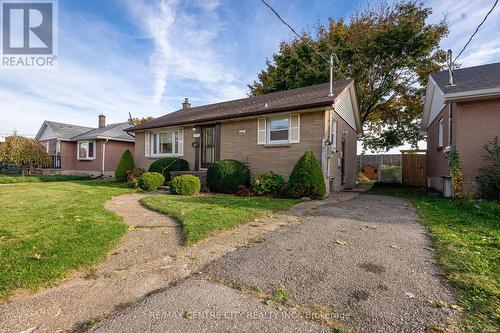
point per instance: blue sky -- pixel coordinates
(145, 56)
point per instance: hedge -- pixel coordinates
(306, 179)
(226, 176)
(165, 165)
(185, 185)
(151, 181)
(126, 164)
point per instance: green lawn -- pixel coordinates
(466, 235)
(47, 230)
(201, 215)
(5, 179)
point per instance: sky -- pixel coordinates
(146, 56)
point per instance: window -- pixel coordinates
(166, 143)
(46, 146)
(86, 150)
(333, 134)
(441, 133)
(278, 130)
(58, 148)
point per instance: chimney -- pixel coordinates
(186, 104)
(102, 121)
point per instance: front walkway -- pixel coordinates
(359, 265)
(149, 257)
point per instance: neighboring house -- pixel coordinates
(463, 116)
(268, 132)
(78, 150)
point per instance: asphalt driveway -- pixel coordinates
(364, 264)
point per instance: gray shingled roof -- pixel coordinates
(112, 132)
(470, 78)
(293, 99)
(66, 131)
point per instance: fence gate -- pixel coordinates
(414, 167)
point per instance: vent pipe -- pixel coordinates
(333, 57)
(451, 71)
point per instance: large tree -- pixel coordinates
(389, 52)
(23, 152)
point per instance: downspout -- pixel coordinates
(450, 120)
(103, 156)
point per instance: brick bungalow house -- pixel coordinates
(78, 150)
(268, 132)
(464, 116)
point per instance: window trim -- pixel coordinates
(441, 132)
(78, 157)
(268, 130)
(156, 145)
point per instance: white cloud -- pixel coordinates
(464, 16)
(187, 47)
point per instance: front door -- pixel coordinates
(208, 145)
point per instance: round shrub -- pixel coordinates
(133, 177)
(226, 176)
(165, 165)
(151, 181)
(306, 179)
(185, 185)
(266, 183)
(126, 164)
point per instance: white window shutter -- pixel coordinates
(180, 142)
(261, 131)
(146, 143)
(294, 128)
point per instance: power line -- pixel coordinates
(293, 30)
(475, 32)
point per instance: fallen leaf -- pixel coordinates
(341, 242)
(131, 228)
(410, 295)
(371, 226)
(188, 315)
(394, 246)
(38, 256)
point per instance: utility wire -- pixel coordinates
(295, 32)
(475, 32)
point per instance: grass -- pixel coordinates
(49, 230)
(466, 235)
(5, 179)
(201, 215)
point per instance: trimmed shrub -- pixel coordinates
(126, 164)
(306, 179)
(165, 165)
(151, 181)
(226, 176)
(266, 183)
(489, 180)
(185, 185)
(133, 177)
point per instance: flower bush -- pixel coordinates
(266, 183)
(133, 177)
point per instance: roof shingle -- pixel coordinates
(293, 99)
(470, 78)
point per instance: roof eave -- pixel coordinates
(472, 95)
(255, 113)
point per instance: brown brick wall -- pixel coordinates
(280, 158)
(52, 146)
(114, 150)
(476, 124)
(437, 163)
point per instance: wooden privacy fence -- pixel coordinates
(414, 167)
